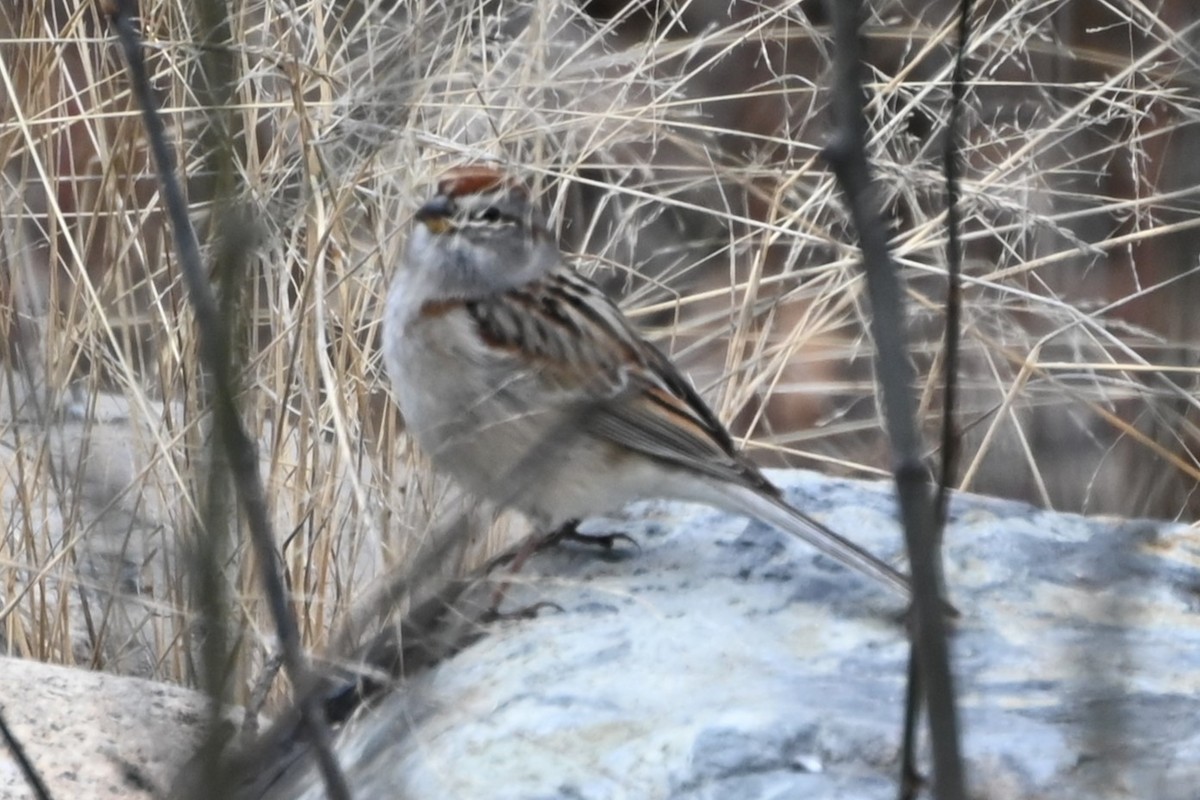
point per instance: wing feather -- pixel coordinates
(585, 349)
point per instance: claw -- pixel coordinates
(528, 612)
(569, 532)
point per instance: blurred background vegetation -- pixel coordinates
(676, 147)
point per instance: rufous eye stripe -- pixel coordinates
(472, 179)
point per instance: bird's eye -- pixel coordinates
(489, 214)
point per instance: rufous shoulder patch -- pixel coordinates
(432, 309)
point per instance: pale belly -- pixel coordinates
(496, 431)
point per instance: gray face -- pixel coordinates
(481, 242)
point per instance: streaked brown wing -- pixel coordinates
(584, 346)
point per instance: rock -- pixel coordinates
(721, 660)
(90, 734)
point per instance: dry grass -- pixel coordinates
(679, 157)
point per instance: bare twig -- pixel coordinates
(27, 769)
(846, 153)
(950, 344)
(910, 778)
(239, 447)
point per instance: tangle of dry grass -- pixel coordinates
(678, 153)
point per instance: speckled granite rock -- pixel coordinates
(82, 729)
(725, 661)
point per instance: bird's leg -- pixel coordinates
(515, 562)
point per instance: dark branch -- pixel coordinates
(846, 154)
(950, 344)
(240, 449)
(27, 769)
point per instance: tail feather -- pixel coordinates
(777, 513)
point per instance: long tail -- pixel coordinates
(776, 512)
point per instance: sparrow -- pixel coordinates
(524, 382)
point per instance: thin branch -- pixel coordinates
(27, 769)
(846, 154)
(910, 777)
(239, 447)
(950, 344)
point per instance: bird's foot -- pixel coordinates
(494, 614)
(569, 532)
